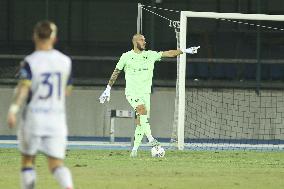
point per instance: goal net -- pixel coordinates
(230, 95)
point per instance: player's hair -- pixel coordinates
(135, 36)
(45, 30)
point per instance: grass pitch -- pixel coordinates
(105, 169)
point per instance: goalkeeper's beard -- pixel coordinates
(140, 47)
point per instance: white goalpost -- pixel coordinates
(184, 15)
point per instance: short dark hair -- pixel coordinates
(45, 29)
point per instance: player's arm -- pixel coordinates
(171, 53)
(113, 77)
(68, 90)
(20, 96)
(119, 66)
(174, 53)
(106, 94)
(69, 87)
(21, 92)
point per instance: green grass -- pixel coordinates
(105, 169)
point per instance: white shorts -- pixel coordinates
(51, 146)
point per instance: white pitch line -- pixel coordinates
(187, 145)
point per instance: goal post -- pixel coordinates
(182, 65)
(139, 18)
(198, 122)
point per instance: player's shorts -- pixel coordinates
(136, 100)
(51, 146)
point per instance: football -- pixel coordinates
(158, 151)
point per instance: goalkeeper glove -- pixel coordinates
(191, 50)
(105, 95)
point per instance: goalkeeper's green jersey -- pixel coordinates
(138, 70)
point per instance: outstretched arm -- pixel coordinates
(174, 53)
(113, 77)
(171, 53)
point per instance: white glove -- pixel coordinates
(191, 50)
(105, 95)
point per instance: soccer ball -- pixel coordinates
(158, 151)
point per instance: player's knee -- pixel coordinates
(141, 110)
(28, 161)
(53, 163)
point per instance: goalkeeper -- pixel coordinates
(138, 65)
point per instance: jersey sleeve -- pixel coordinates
(121, 63)
(25, 73)
(155, 56)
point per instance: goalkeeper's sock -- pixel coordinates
(63, 176)
(28, 177)
(146, 127)
(138, 137)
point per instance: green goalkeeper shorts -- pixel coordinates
(135, 101)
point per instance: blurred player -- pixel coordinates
(138, 65)
(45, 79)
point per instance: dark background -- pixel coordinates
(103, 29)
